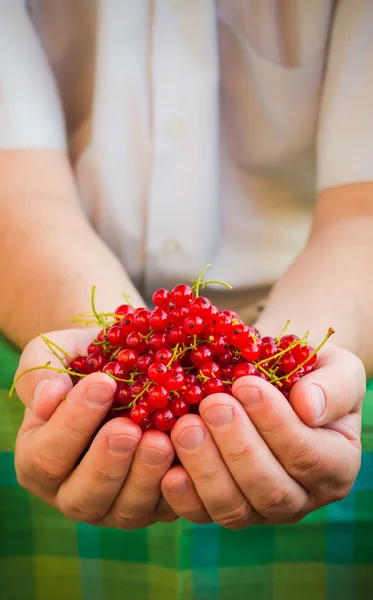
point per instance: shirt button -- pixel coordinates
(175, 127)
(170, 247)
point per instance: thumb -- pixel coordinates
(336, 388)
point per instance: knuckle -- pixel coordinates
(273, 501)
(129, 522)
(233, 516)
(45, 470)
(242, 451)
(206, 475)
(79, 510)
(306, 461)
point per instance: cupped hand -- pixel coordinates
(257, 458)
(117, 481)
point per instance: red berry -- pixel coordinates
(243, 369)
(178, 315)
(225, 360)
(200, 307)
(174, 380)
(137, 414)
(159, 319)
(158, 396)
(128, 323)
(163, 356)
(116, 336)
(157, 372)
(136, 341)
(268, 340)
(219, 345)
(200, 355)
(288, 363)
(92, 348)
(95, 362)
(227, 373)
(179, 407)
(122, 394)
(157, 341)
(239, 335)
(301, 353)
(164, 419)
(210, 369)
(182, 295)
(146, 423)
(211, 317)
(115, 369)
(286, 340)
(138, 385)
(213, 386)
(161, 298)
(223, 323)
(78, 364)
(194, 325)
(100, 336)
(144, 362)
(128, 358)
(268, 350)
(232, 315)
(123, 310)
(141, 320)
(177, 335)
(190, 379)
(192, 394)
(250, 351)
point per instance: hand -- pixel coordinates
(260, 459)
(117, 482)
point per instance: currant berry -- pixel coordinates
(159, 319)
(136, 341)
(177, 335)
(92, 348)
(219, 345)
(137, 414)
(163, 419)
(243, 369)
(192, 393)
(178, 315)
(141, 320)
(161, 298)
(288, 363)
(286, 340)
(179, 407)
(157, 372)
(128, 358)
(116, 336)
(94, 362)
(174, 380)
(200, 355)
(144, 361)
(213, 386)
(157, 341)
(268, 340)
(223, 323)
(200, 307)
(122, 394)
(123, 310)
(163, 356)
(210, 369)
(268, 350)
(302, 353)
(190, 379)
(194, 325)
(225, 360)
(78, 365)
(250, 351)
(158, 396)
(182, 295)
(239, 335)
(128, 323)
(115, 369)
(138, 385)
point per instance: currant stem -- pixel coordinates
(331, 331)
(213, 281)
(49, 345)
(99, 318)
(283, 331)
(64, 352)
(200, 277)
(46, 366)
(127, 299)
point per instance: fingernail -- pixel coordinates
(122, 444)
(318, 400)
(38, 390)
(191, 438)
(178, 488)
(218, 416)
(249, 395)
(99, 394)
(152, 456)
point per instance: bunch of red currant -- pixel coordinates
(166, 360)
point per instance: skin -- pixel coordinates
(273, 461)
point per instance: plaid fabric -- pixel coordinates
(43, 556)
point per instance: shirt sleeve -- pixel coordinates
(30, 110)
(345, 134)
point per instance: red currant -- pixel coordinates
(213, 386)
(192, 394)
(164, 419)
(161, 298)
(157, 372)
(243, 369)
(159, 319)
(182, 295)
(194, 325)
(158, 396)
(179, 407)
(200, 355)
(128, 358)
(174, 380)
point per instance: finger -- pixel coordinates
(137, 501)
(46, 455)
(316, 458)
(219, 493)
(263, 480)
(42, 390)
(89, 492)
(332, 391)
(179, 492)
(164, 512)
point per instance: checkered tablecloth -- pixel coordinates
(328, 556)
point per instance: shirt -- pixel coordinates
(199, 131)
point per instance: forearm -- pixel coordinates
(51, 257)
(330, 284)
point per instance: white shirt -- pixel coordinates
(199, 131)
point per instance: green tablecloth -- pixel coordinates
(328, 556)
